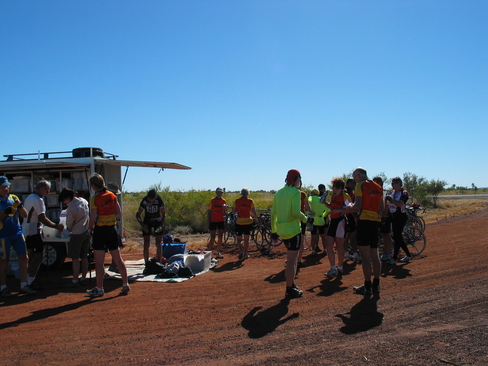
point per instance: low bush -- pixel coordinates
(185, 211)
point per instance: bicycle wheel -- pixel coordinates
(260, 238)
(228, 239)
(415, 239)
(422, 222)
(416, 221)
(254, 245)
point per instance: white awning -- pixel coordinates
(86, 161)
(144, 164)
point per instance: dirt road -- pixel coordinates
(432, 311)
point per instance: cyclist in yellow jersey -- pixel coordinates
(286, 218)
(320, 212)
(369, 203)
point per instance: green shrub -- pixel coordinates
(185, 209)
(182, 230)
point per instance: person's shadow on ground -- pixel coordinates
(276, 278)
(329, 286)
(396, 271)
(260, 323)
(50, 312)
(362, 317)
(230, 266)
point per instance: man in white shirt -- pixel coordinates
(31, 227)
(77, 222)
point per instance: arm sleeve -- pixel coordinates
(296, 208)
(273, 217)
(404, 197)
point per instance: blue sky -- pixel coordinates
(242, 91)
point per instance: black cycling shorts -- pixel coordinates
(367, 233)
(35, 243)
(320, 230)
(293, 243)
(216, 226)
(243, 229)
(105, 238)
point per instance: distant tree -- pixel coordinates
(158, 187)
(307, 189)
(474, 187)
(434, 188)
(416, 186)
(453, 187)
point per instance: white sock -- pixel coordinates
(30, 280)
(22, 284)
(3, 287)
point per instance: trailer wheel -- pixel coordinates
(54, 255)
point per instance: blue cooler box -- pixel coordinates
(170, 249)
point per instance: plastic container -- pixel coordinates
(63, 183)
(79, 181)
(52, 200)
(170, 249)
(20, 185)
(199, 262)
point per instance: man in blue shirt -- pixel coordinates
(11, 237)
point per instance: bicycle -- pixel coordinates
(413, 231)
(415, 238)
(412, 217)
(229, 239)
(259, 237)
(261, 234)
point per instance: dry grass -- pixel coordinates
(452, 208)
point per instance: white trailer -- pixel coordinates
(70, 169)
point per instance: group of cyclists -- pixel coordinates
(348, 228)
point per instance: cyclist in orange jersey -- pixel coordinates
(336, 232)
(244, 207)
(104, 214)
(216, 217)
(369, 203)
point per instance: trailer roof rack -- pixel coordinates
(59, 155)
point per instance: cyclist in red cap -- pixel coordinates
(286, 218)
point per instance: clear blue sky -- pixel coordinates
(242, 91)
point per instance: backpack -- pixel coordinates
(185, 272)
(167, 239)
(153, 267)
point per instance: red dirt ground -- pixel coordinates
(432, 311)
